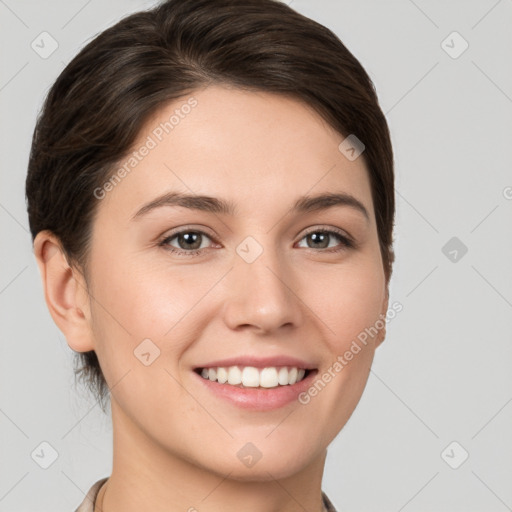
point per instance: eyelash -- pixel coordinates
(346, 243)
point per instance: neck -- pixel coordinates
(146, 476)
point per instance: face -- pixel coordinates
(260, 275)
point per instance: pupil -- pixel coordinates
(191, 237)
(319, 236)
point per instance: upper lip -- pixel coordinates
(260, 362)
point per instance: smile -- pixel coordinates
(252, 377)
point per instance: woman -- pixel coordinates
(210, 195)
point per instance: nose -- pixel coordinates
(262, 294)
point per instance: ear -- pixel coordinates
(382, 332)
(65, 292)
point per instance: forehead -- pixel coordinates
(260, 150)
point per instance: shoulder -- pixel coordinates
(87, 504)
(329, 507)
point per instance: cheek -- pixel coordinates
(143, 298)
(348, 301)
(350, 310)
(136, 302)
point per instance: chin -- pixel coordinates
(262, 464)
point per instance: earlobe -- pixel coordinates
(65, 292)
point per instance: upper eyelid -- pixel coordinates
(336, 231)
(187, 230)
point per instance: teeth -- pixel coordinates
(268, 378)
(283, 376)
(222, 375)
(234, 376)
(251, 377)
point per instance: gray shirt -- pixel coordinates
(88, 504)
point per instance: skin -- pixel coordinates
(175, 443)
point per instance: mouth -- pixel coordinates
(258, 389)
(252, 377)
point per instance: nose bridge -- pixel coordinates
(261, 288)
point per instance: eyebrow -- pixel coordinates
(304, 204)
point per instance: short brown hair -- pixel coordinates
(98, 104)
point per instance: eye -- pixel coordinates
(321, 238)
(190, 242)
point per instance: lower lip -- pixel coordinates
(259, 399)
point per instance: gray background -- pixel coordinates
(443, 373)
